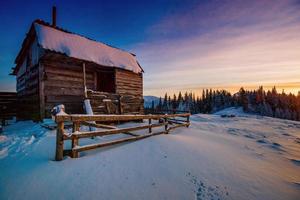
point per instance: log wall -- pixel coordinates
(28, 95)
(130, 86)
(63, 84)
(8, 102)
(58, 79)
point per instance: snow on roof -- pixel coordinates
(82, 48)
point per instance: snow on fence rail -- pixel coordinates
(168, 121)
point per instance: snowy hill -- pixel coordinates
(148, 101)
(242, 157)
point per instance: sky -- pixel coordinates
(181, 45)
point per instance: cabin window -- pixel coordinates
(106, 81)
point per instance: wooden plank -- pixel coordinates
(62, 118)
(64, 99)
(132, 134)
(113, 131)
(70, 71)
(104, 118)
(64, 83)
(63, 91)
(58, 77)
(94, 146)
(171, 121)
(98, 125)
(178, 125)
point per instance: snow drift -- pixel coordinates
(243, 157)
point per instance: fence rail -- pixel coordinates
(167, 121)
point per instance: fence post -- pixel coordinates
(150, 125)
(188, 121)
(166, 124)
(59, 141)
(76, 127)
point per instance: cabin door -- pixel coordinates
(106, 81)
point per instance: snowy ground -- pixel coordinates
(243, 157)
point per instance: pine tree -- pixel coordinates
(243, 99)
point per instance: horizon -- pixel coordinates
(181, 46)
(231, 90)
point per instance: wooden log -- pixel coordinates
(132, 134)
(59, 141)
(62, 118)
(76, 127)
(171, 121)
(61, 91)
(150, 126)
(178, 125)
(58, 77)
(166, 124)
(107, 118)
(70, 72)
(94, 146)
(113, 131)
(179, 120)
(98, 125)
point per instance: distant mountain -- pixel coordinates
(148, 101)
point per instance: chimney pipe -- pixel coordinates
(54, 16)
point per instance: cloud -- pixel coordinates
(223, 43)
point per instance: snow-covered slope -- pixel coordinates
(148, 101)
(245, 157)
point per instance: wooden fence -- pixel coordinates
(7, 105)
(167, 121)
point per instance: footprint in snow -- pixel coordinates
(276, 146)
(295, 161)
(262, 141)
(204, 191)
(249, 136)
(232, 131)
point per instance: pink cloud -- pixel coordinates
(265, 51)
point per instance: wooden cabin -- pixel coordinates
(55, 66)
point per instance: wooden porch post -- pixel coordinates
(41, 91)
(84, 80)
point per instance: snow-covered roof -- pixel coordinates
(80, 47)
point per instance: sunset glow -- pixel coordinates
(239, 44)
(187, 46)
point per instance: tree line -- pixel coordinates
(267, 103)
